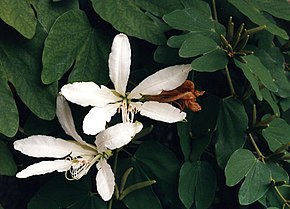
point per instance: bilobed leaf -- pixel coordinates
(69, 194)
(196, 45)
(142, 198)
(256, 184)
(273, 60)
(48, 12)
(184, 139)
(195, 20)
(197, 183)
(127, 17)
(259, 73)
(210, 62)
(160, 164)
(268, 97)
(242, 160)
(72, 39)
(231, 126)
(7, 164)
(277, 133)
(255, 13)
(19, 15)
(22, 70)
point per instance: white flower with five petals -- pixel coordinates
(75, 157)
(106, 102)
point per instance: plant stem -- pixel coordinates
(233, 93)
(214, 10)
(114, 170)
(281, 196)
(260, 155)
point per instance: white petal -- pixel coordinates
(47, 146)
(118, 135)
(166, 79)
(162, 112)
(65, 118)
(88, 93)
(44, 167)
(95, 120)
(119, 63)
(105, 180)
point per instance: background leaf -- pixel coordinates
(231, 126)
(7, 164)
(258, 178)
(72, 39)
(197, 184)
(19, 15)
(277, 133)
(128, 18)
(241, 160)
(69, 194)
(255, 13)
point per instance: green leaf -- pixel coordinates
(210, 62)
(69, 194)
(242, 160)
(8, 110)
(21, 70)
(195, 20)
(184, 139)
(277, 8)
(197, 183)
(167, 55)
(159, 8)
(7, 164)
(231, 126)
(260, 73)
(256, 184)
(196, 45)
(48, 12)
(274, 60)
(277, 172)
(268, 97)
(127, 17)
(143, 198)
(19, 15)
(70, 39)
(255, 13)
(277, 133)
(160, 164)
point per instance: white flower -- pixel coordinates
(76, 157)
(106, 102)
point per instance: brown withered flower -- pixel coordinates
(184, 96)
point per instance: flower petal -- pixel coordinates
(119, 63)
(88, 93)
(95, 120)
(105, 180)
(47, 146)
(162, 112)
(65, 119)
(118, 135)
(166, 79)
(44, 167)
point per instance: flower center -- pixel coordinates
(128, 110)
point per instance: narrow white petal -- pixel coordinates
(166, 79)
(119, 63)
(44, 167)
(105, 180)
(65, 118)
(47, 146)
(95, 120)
(118, 135)
(88, 94)
(162, 112)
